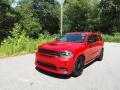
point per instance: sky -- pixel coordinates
(15, 3)
(60, 1)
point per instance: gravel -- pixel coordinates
(19, 73)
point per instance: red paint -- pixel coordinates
(61, 65)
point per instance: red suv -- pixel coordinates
(70, 53)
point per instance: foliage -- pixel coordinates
(110, 16)
(48, 13)
(112, 38)
(81, 15)
(30, 23)
(19, 43)
(8, 17)
(36, 16)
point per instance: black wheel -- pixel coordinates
(101, 55)
(79, 66)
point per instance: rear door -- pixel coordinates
(99, 44)
(96, 47)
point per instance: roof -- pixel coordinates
(83, 33)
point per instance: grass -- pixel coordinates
(112, 38)
(19, 43)
(22, 45)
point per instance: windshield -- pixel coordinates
(73, 38)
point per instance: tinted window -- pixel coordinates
(96, 38)
(93, 38)
(73, 38)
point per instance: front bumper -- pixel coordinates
(54, 64)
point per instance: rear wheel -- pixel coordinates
(101, 55)
(79, 66)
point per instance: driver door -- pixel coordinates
(91, 48)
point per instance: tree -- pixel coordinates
(80, 15)
(29, 22)
(110, 16)
(8, 17)
(48, 14)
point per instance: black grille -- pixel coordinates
(47, 65)
(49, 52)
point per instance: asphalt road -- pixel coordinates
(19, 73)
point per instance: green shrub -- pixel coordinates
(19, 43)
(112, 38)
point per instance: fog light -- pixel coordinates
(64, 70)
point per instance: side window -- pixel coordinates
(96, 38)
(93, 39)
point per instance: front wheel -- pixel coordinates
(79, 66)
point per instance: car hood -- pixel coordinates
(61, 46)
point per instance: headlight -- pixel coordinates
(66, 54)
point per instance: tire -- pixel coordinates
(78, 67)
(100, 58)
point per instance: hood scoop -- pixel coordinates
(53, 44)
